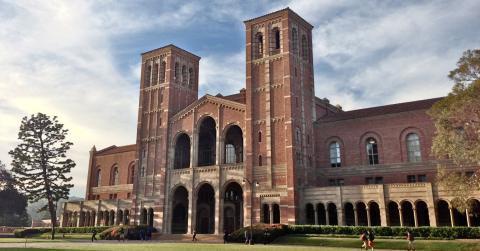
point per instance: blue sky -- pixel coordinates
(80, 60)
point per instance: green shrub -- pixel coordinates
(27, 232)
(423, 232)
(274, 231)
(117, 232)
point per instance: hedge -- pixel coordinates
(26, 232)
(274, 231)
(115, 233)
(424, 232)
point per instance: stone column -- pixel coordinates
(217, 211)
(451, 216)
(369, 221)
(400, 215)
(327, 219)
(355, 215)
(432, 217)
(468, 217)
(191, 213)
(316, 215)
(383, 217)
(270, 211)
(340, 217)
(415, 218)
(97, 218)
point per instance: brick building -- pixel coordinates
(272, 153)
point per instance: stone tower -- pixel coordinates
(280, 111)
(169, 83)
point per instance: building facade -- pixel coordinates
(272, 153)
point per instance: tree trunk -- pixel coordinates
(53, 216)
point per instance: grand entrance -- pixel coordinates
(232, 207)
(205, 219)
(180, 211)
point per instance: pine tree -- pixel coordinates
(40, 163)
(13, 213)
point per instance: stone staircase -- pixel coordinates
(210, 238)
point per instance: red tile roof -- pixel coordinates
(380, 110)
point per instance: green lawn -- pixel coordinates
(46, 238)
(437, 245)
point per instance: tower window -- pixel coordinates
(176, 72)
(294, 43)
(275, 41)
(155, 74)
(99, 178)
(258, 46)
(148, 75)
(372, 151)
(259, 137)
(260, 160)
(335, 157)
(114, 178)
(413, 148)
(184, 75)
(304, 48)
(162, 71)
(190, 77)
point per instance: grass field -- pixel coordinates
(437, 245)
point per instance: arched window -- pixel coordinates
(155, 74)
(190, 77)
(163, 67)
(294, 41)
(259, 136)
(260, 160)
(131, 178)
(98, 178)
(142, 171)
(148, 75)
(258, 46)
(413, 148)
(184, 75)
(114, 179)
(372, 151)
(335, 157)
(275, 41)
(176, 72)
(304, 48)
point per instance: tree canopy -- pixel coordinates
(40, 163)
(13, 213)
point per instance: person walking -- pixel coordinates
(94, 235)
(410, 240)
(265, 236)
(371, 238)
(246, 237)
(194, 238)
(364, 240)
(225, 237)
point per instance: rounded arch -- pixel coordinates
(309, 214)
(362, 217)
(393, 213)
(179, 207)
(205, 208)
(258, 45)
(363, 147)
(349, 213)
(335, 155)
(207, 137)
(321, 214)
(332, 213)
(131, 173)
(443, 213)
(182, 151)
(474, 212)
(266, 213)
(232, 194)
(407, 213)
(98, 176)
(421, 208)
(402, 139)
(374, 211)
(233, 144)
(276, 213)
(114, 175)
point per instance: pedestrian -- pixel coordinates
(410, 239)
(142, 234)
(94, 235)
(265, 236)
(194, 238)
(246, 237)
(149, 233)
(371, 238)
(125, 234)
(364, 240)
(225, 237)
(121, 234)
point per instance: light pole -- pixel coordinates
(252, 184)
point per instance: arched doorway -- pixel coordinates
(151, 216)
(92, 219)
(276, 214)
(443, 214)
(309, 214)
(207, 138)
(143, 216)
(474, 212)
(321, 214)
(180, 211)
(332, 214)
(393, 214)
(422, 213)
(119, 217)
(362, 214)
(182, 152)
(266, 213)
(232, 207)
(112, 217)
(374, 211)
(233, 151)
(407, 214)
(205, 210)
(126, 217)
(349, 214)
(106, 218)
